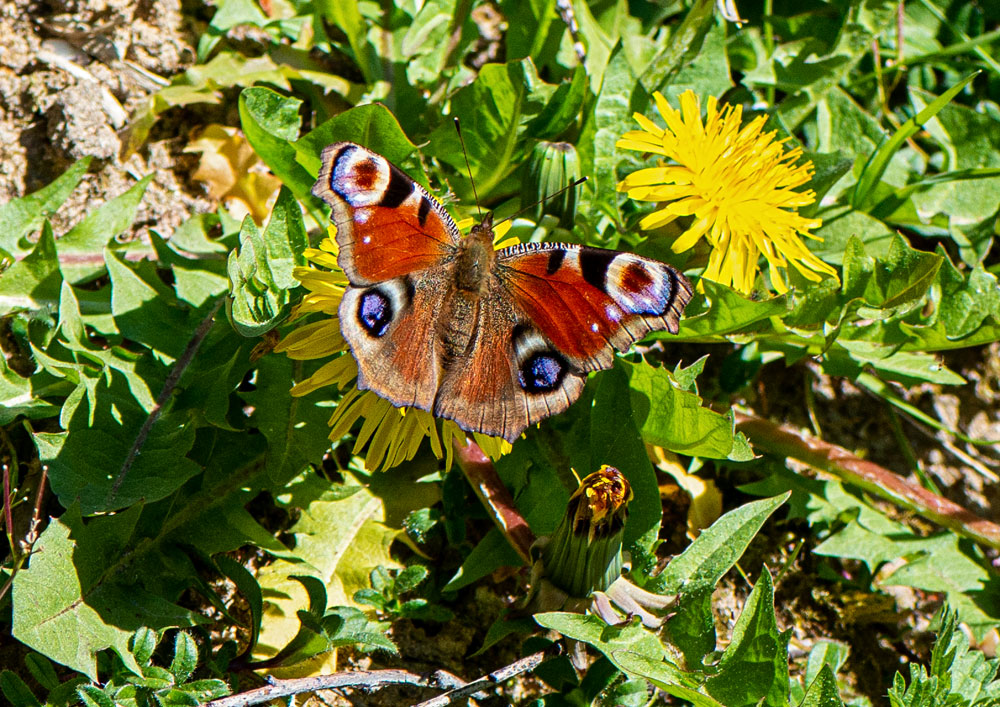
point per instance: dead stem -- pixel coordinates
(784, 441)
(482, 475)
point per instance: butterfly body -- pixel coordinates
(495, 340)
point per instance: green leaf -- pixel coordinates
(34, 281)
(497, 111)
(146, 310)
(81, 249)
(271, 123)
(717, 548)
(42, 670)
(874, 169)
(249, 589)
(68, 605)
(612, 641)
(822, 691)
(19, 217)
(754, 667)
(830, 655)
(17, 691)
(94, 696)
(143, 644)
(621, 95)
(615, 440)
(185, 657)
(295, 427)
(339, 539)
(258, 304)
(684, 46)
(86, 460)
(676, 420)
(666, 677)
(370, 125)
(727, 312)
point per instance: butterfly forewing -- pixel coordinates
(590, 301)
(387, 224)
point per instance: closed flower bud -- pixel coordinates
(552, 166)
(584, 554)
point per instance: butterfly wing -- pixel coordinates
(397, 246)
(387, 224)
(589, 302)
(551, 314)
(509, 377)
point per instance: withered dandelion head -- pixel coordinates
(735, 182)
(393, 435)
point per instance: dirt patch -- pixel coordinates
(71, 74)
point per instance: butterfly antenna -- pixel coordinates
(458, 128)
(572, 185)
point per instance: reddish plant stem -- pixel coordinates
(479, 470)
(782, 440)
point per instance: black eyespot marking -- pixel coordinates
(556, 258)
(518, 331)
(375, 313)
(594, 264)
(399, 187)
(423, 210)
(542, 372)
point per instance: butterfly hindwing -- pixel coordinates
(391, 329)
(510, 376)
(387, 224)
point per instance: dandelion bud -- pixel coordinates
(584, 553)
(552, 166)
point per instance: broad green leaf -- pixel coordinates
(717, 548)
(615, 440)
(146, 310)
(666, 677)
(295, 427)
(81, 250)
(23, 396)
(71, 601)
(338, 542)
(497, 111)
(754, 667)
(17, 691)
(724, 311)
(143, 644)
(696, 57)
(676, 420)
(621, 95)
(829, 655)
(612, 641)
(370, 125)
(965, 301)
(19, 217)
(102, 440)
(185, 657)
(822, 691)
(271, 123)
(34, 281)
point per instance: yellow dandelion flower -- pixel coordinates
(736, 183)
(393, 435)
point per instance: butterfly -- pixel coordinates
(495, 340)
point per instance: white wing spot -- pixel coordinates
(594, 327)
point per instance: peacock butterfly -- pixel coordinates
(493, 339)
